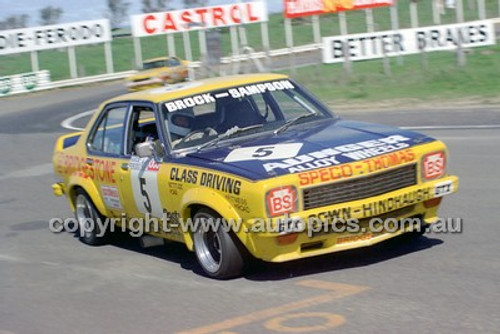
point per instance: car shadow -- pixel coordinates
(355, 258)
(264, 271)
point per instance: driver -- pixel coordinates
(180, 124)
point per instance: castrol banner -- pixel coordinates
(54, 36)
(299, 8)
(198, 18)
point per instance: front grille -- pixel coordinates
(359, 188)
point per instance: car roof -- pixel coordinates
(188, 88)
(154, 59)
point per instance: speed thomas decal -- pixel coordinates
(264, 152)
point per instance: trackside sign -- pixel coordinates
(198, 18)
(408, 41)
(54, 36)
(299, 8)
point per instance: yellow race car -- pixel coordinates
(250, 165)
(158, 72)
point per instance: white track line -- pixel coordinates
(451, 127)
(68, 121)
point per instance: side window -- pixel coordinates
(173, 62)
(108, 135)
(264, 108)
(142, 127)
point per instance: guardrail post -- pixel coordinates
(460, 11)
(108, 53)
(347, 58)
(72, 62)
(171, 45)
(461, 61)
(137, 52)
(35, 66)
(370, 26)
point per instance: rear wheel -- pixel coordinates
(216, 250)
(89, 231)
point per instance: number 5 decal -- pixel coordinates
(147, 203)
(268, 152)
(144, 179)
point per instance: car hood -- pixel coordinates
(147, 74)
(304, 147)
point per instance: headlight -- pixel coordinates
(280, 201)
(433, 165)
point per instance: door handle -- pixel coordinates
(125, 166)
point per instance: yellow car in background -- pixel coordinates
(158, 71)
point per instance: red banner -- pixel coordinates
(299, 8)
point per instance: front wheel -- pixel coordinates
(216, 249)
(90, 221)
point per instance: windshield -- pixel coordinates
(211, 118)
(153, 64)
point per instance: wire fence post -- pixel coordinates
(460, 11)
(395, 26)
(35, 66)
(72, 62)
(437, 7)
(202, 40)
(370, 26)
(347, 58)
(481, 8)
(343, 23)
(137, 52)
(171, 44)
(234, 48)
(289, 44)
(461, 61)
(189, 55)
(316, 29)
(413, 14)
(264, 34)
(108, 53)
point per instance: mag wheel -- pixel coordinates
(216, 250)
(86, 214)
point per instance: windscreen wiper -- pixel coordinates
(229, 133)
(293, 121)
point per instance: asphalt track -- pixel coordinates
(52, 283)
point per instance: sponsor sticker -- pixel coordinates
(111, 197)
(433, 165)
(281, 200)
(443, 188)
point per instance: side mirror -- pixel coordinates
(149, 149)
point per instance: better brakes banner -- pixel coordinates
(300, 8)
(198, 18)
(54, 36)
(408, 41)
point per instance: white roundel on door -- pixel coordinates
(264, 152)
(144, 178)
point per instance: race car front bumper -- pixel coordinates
(279, 247)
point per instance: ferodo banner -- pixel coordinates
(299, 8)
(54, 36)
(198, 18)
(408, 41)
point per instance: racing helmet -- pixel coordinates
(180, 123)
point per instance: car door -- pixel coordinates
(106, 155)
(140, 176)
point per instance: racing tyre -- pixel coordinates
(87, 215)
(216, 250)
